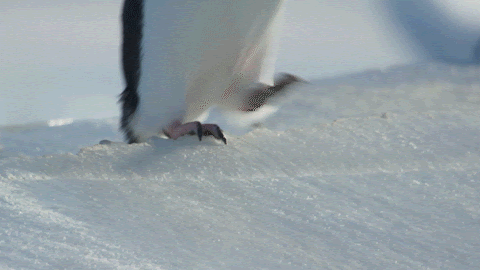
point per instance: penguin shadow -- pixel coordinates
(163, 146)
(436, 33)
(159, 153)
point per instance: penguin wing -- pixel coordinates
(236, 48)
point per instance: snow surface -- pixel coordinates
(374, 170)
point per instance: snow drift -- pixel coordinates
(369, 171)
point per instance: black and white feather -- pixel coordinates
(180, 58)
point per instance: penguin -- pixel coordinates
(181, 58)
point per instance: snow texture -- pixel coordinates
(375, 170)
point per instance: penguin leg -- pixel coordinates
(177, 130)
(259, 96)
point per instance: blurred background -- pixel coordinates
(60, 58)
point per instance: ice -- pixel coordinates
(375, 170)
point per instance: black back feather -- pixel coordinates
(132, 22)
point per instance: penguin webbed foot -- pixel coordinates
(215, 131)
(177, 130)
(259, 96)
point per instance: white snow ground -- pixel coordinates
(377, 170)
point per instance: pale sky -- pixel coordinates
(60, 58)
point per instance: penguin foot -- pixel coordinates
(177, 130)
(215, 131)
(262, 93)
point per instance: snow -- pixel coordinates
(373, 170)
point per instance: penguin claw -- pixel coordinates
(215, 131)
(220, 135)
(199, 131)
(176, 130)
